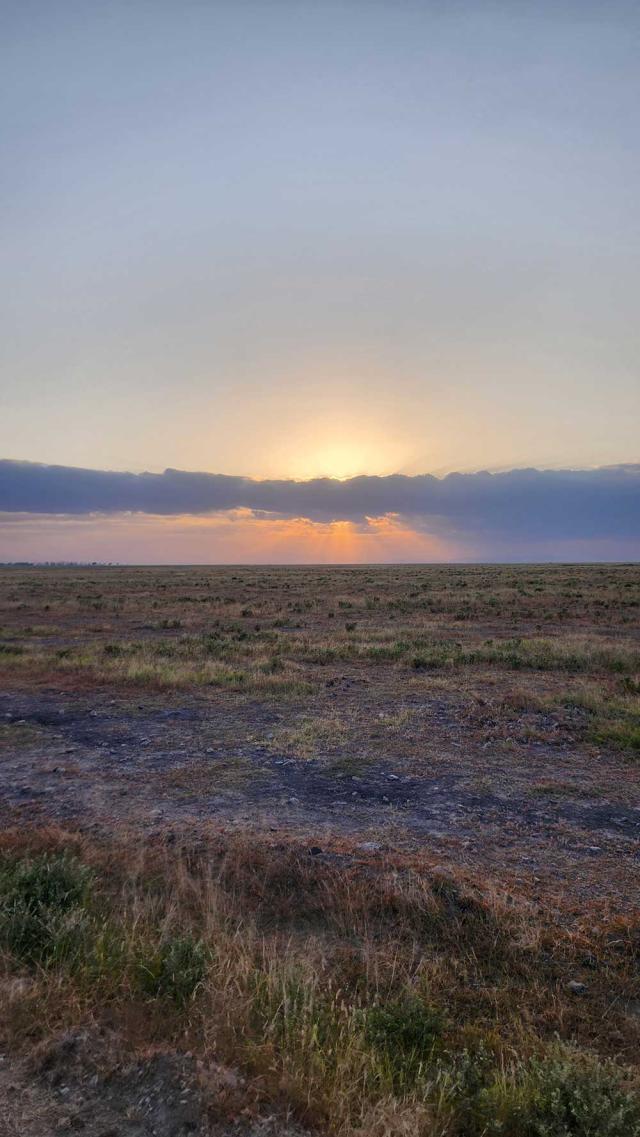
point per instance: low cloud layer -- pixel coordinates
(601, 505)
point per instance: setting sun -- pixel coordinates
(335, 460)
(343, 454)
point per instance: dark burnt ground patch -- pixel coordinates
(421, 778)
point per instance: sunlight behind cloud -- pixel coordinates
(324, 452)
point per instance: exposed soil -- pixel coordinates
(79, 1083)
(98, 761)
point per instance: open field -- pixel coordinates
(352, 850)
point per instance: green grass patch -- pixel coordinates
(174, 969)
(621, 733)
(408, 1034)
(43, 909)
(529, 655)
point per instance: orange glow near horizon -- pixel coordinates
(233, 537)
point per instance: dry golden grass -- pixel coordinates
(390, 1001)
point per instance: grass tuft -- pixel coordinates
(43, 916)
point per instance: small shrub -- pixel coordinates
(562, 1096)
(113, 651)
(469, 1073)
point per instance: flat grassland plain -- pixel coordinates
(336, 850)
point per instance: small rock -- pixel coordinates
(575, 987)
(315, 851)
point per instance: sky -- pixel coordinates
(289, 240)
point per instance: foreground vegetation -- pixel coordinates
(369, 998)
(485, 718)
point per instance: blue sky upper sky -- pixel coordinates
(287, 239)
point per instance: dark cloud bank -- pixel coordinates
(601, 504)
